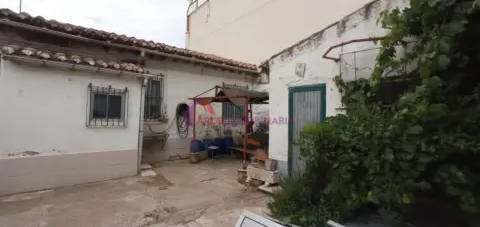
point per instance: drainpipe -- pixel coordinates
(1, 64)
(144, 83)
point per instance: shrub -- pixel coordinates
(386, 157)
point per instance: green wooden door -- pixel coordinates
(307, 106)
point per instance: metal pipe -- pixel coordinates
(1, 64)
(194, 119)
(358, 51)
(144, 83)
(245, 125)
(373, 39)
(216, 87)
(224, 97)
(125, 109)
(106, 43)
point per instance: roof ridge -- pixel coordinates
(100, 35)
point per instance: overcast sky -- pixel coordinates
(158, 20)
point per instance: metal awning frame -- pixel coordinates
(247, 110)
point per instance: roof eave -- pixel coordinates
(247, 71)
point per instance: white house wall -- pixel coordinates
(43, 109)
(360, 24)
(184, 81)
(253, 30)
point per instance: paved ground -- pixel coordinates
(183, 194)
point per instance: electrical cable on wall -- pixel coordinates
(182, 117)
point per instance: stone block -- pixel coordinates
(269, 177)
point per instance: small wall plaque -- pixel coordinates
(300, 69)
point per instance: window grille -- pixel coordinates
(231, 113)
(154, 100)
(107, 107)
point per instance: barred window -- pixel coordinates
(231, 113)
(154, 100)
(106, 107)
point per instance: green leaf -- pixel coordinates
(372, 198)
(437, 110)
(406, 199)
(409, 147)
(389, 154)
(443, 61)
(433, 3)
(444, 45)
(425, 71)
(434, 82)
(476, 4)
(456, 27)
(415, 130)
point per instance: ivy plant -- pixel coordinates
(384, 158)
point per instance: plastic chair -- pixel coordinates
(229, 143)
(220, 142)
(211, 147)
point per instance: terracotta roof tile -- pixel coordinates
(90, 33)
(74, 59)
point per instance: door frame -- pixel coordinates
(303, 88)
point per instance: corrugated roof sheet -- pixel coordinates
(38, 21)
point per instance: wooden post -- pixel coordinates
(250, 110)
(223, 121)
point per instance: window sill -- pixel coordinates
(107, 127)
(104, 125)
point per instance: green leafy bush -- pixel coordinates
(386, 157)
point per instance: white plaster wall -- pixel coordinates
(43, 109)
(50, 171)
(361, 24)
(184, 81)
(254, 30)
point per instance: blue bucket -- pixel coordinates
(197, 146)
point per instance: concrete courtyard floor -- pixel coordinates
(182, 194)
